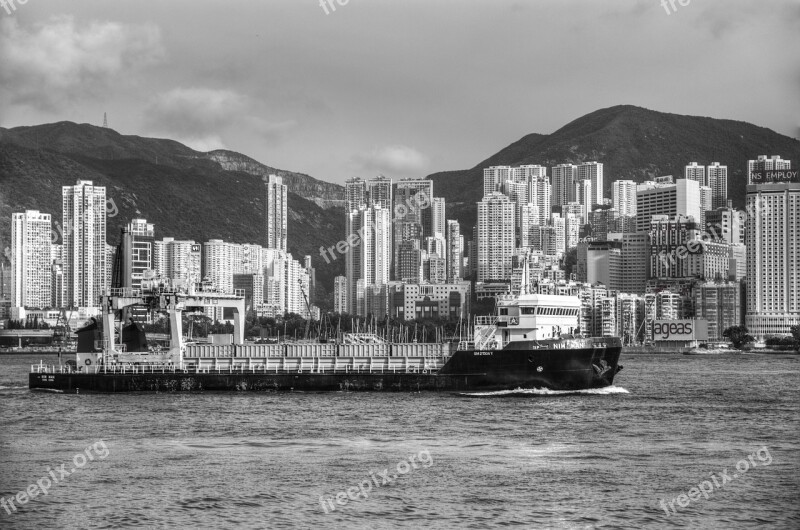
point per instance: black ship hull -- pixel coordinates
(525, 366)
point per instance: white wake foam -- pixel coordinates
(547, 392)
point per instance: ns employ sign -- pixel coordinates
(773, 176)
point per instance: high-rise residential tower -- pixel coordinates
(355, 194)
(623, 195)
(562, 178)
(277, 209)
(718, 182)
(496, 237)
(379, 192)
(31, 260)
(593, 172)
(85, 264)
(696, 172)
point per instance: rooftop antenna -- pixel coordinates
(105, 120)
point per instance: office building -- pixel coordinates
(765, 163)
(663, 197)
(720, 304)
(773, 257)
(426, 301)
(725, 223)
(600, 262)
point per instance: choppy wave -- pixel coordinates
(3, 387)
(547, 392)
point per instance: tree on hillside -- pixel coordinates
(796, 335)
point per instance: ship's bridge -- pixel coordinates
(528, 317)
(537, 317)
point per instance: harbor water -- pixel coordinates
(640, 454)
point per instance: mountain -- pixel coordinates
(632, 143)
(185, 193)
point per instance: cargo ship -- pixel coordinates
(533, 341)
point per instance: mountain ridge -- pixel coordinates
(633, 143)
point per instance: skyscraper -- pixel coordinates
(455, 251)
(379, 192)
(773, 257)
(593, 172)
(623, 195)
(496, 236)
(718, 182)
(340, 294)
(494, 177)
(583, 196)
(438, 226)
(355, 194)
(696, 172)
(527, 173)
(141, 252)
(563, 176)
(540, 195)
(85, 264)
(763, 162)
(31, 260)
(276, 213)
(706, 203)
(177, 261)
(367, 262)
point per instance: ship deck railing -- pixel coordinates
(350, 366)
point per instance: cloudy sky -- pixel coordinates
(401, 87)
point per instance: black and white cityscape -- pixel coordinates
(244, 284)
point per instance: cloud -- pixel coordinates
(200, 117)
(55, 61)
(393, 159)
